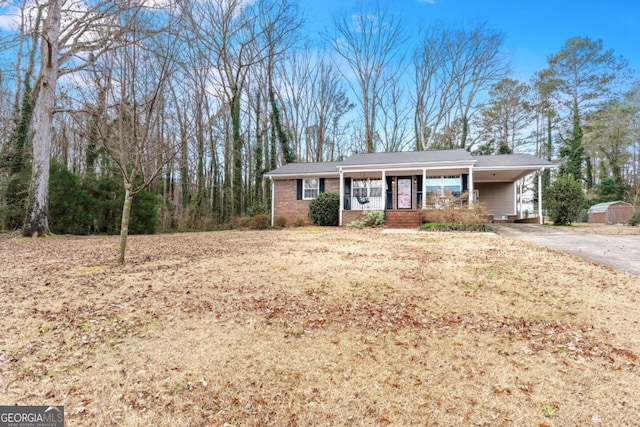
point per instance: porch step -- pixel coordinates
(402, 219)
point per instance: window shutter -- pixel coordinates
(321, 189)
(465, 182)
(298, 189)
(347, 193)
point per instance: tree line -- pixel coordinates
(189, 103)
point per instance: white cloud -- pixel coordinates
(427, 1)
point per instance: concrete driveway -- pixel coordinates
(620, 252)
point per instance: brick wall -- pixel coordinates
(350, 216)
(285, 202)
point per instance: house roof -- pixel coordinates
(408, 158)
(518, 165)
(510, 161)
(304, 169)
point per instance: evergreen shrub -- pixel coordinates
(565, 199)
(325, 209)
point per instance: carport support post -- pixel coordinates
(384, 191)
(424, 188)
(540, 219)
(470, 189)
(341, 197)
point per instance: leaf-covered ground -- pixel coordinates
(310, 327)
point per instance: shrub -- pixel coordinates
(280, 221)
(564, 200)
(257, 208)
(635, 219)
(144, 216)
(299, 222)
(475, 215)
(241, 222)
(325, 209)
(434, 226)
(369, 219)
(68, 203)
(260, 222)
(94, 205)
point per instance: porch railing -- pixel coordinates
(371, 203)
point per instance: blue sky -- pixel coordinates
(534, 29)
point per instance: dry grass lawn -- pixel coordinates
(317, 327)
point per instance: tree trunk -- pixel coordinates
(124, 227)
(37, 218)
(236, 201)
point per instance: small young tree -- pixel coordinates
(565, 199)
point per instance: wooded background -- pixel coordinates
(187, 104)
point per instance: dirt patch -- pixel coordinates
(317, 326)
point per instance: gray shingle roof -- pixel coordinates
(301, 169)
(408, 157)
(411, 158)
(511, 160)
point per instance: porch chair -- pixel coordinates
(363, 200)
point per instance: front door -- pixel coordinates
(404, 193)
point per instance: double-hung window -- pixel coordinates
(310, 188)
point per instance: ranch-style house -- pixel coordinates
(403, 183)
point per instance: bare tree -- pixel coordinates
(395, 133)
(37, 220)
(453, 67)
(316, 102)
(137, 77)
(86, 33)
(238, 37)
(370, 42)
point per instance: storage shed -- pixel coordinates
(611, 213)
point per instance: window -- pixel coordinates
(444, 185)
(311, 188)
(367, 188)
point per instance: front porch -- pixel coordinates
(403, 196)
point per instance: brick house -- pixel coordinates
(403, 183)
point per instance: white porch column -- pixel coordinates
(470, 189)
(384, 190)
(540, 219)
(515, 197)
(341, 197)
(424, 188)
(520, 215)
(273, 202)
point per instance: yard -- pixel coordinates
(311, 327)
